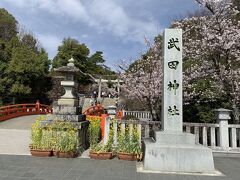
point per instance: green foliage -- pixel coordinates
(66, 141)
(18, 88)
(29, 41)
(58, 136)
(8, 25)
(71, 48)
(100, 147)
(47, 139)
(27, 71)
(110, 84)
(36, 135)
(129, 144)
(64, 136)
(23, 64)
(203, 111)
(94, 132)
(80, 52)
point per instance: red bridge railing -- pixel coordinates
(12, 111)
(97, 110)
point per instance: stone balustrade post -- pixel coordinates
(131, 131)
(123, 129)
(111, 110)
(139, 129)
(223, 116)
(99, 89)
(106, 130)
(115, 131)
(123, 113)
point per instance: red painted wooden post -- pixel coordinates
(102, 124)
(120, 114)
(6, 111)
(24, 110)
(37, 106)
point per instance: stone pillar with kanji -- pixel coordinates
(171, 149)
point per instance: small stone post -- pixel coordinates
(106, 130)
(115, 128)
(223, 115)
(99, 89)
(118, 87)
(111, 110)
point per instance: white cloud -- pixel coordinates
(72, 8)
(104, 15)
(107, 15)
(50, 42)
(18, 3)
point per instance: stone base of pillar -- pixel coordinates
(63, 109)
(177, 153)
(68, 102)
(67, 117)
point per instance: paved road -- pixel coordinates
(33, 168)
(21, 123)
(15, 135)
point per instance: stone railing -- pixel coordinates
(215, 136)
(205, 134)
(220, 136)
(141, 115)
(144, 128)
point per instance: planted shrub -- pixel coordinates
(129, 144)
(94, 132)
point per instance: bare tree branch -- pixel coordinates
(206, 4)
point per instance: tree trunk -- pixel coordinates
(235, 112)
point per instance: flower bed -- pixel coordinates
(58, 137)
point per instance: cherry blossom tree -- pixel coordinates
(211, 60)
(143, 79)
(212, 54)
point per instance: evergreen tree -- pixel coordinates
(23, 63)
(88, 64)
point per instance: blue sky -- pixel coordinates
(116, 27)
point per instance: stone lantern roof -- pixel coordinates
(69, 69)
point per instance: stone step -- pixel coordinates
(162, 137)
(177, 157)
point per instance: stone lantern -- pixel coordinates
(69, 72)
(68, 105)
(68, 108)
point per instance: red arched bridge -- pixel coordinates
(12, 111)
(97, 110)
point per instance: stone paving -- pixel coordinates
(34, 168)
(25, 167)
